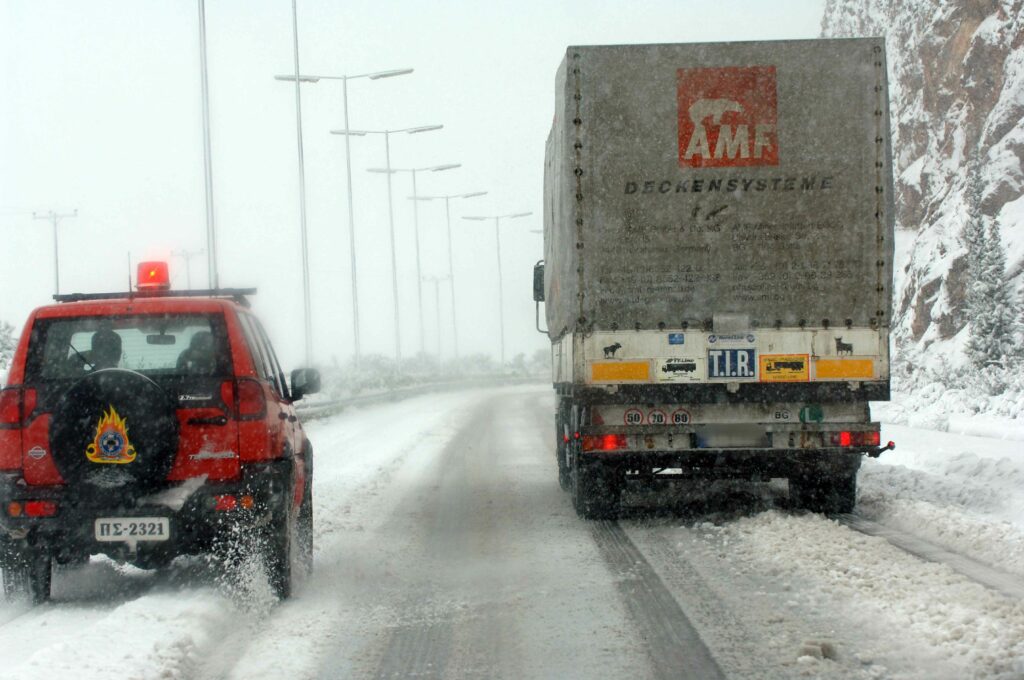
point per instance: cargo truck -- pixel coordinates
(717, 273)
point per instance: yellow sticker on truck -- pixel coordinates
(620, 371)
(785, 368)
(844, 369)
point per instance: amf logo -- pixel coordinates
(727, 117)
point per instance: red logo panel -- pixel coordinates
(727, 117)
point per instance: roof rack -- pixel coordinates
(239, 295)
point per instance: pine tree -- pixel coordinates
(991, 307)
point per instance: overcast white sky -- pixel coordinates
(100, 112)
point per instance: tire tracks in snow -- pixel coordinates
(675, 647)
(988, 576)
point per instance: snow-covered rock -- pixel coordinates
(957, 95)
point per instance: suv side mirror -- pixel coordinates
(538, 282)
(305, 381)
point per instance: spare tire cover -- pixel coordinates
(115, 429)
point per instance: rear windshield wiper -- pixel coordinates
(82, 357)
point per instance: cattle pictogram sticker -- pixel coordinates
(728, 117)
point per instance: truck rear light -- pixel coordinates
(40, 508)
(250, 402)
(863, 438)
(11, 408)
(14, 509)
(604, 442)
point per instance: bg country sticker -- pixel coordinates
(785, 368)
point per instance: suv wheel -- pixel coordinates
(277, 549)
(28, 574)
(304, 532)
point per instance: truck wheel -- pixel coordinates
(28, 575)
(829, 494)
(564, 477)
(596, 489)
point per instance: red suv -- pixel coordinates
(150, 425)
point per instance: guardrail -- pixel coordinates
(323, 409)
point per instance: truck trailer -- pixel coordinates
(717, 273)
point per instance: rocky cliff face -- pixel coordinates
(956, 70)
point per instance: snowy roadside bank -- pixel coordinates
(962, 492)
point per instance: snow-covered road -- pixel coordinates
(446, 550)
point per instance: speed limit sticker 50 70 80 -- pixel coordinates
(634, 416)
(680, 417)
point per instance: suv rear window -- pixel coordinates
(152, 344)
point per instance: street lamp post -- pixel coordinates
(211, 230)
(54, 218)
(497, 239)
(451, 268)
(436, 280)
(391, 213)
(313, 79)
(416, 227)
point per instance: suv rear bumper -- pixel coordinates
(196, 525)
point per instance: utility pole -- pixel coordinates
(53, 218)
(187, 255)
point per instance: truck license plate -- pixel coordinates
(111, 529)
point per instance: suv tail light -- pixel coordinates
(250, 402)
(16, 405)
(855, 439)
(604, 442)
(10, 408)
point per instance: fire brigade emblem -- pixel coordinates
(111, 444)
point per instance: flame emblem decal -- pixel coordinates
(111, 444)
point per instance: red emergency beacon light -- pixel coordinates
(153, 276)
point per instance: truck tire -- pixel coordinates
(564, 477)
(825, 493)
(596, 489)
